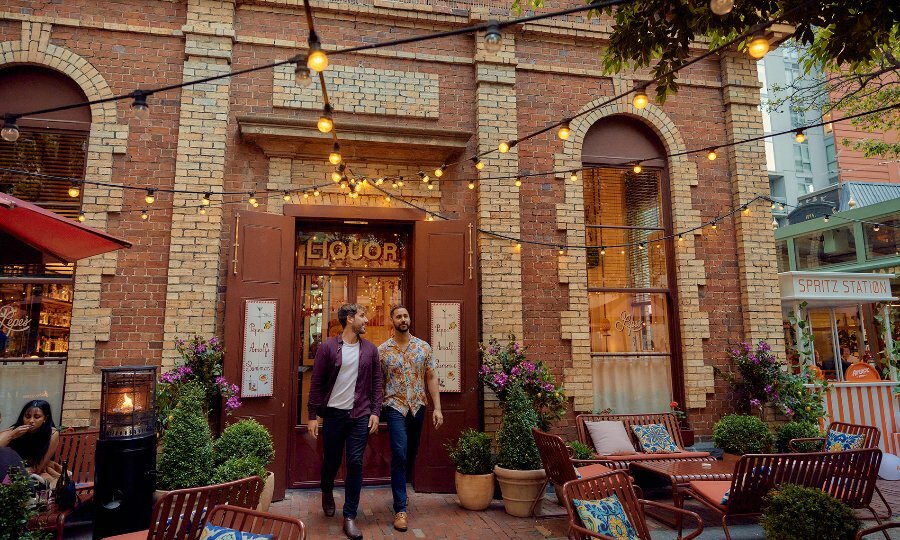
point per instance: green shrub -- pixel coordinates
(187, 448)
(472, 453)
(14, 511)
(518, 450)
(245, 438)
(238, 468)
(798, 430)
(799, 513)
(742, 434)
(581, 450)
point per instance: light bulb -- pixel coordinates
(640, 100)
(714, 225)
(852, 202)
(74, 191)
(721, 7)
(799, 136)
(503, 147)
(305, 196)
(479, 164)
(680, 238)
(315, 193)
(424, 177)
(81, 218)
(302, 75)
(493, 39)
(641, 246)
(439, 172)
(140, 107)
(711, 155)
(471, 185)
(205, 199)
(400, 182)
(144, 215)
(562, 251)
(602, 251)
(387, 198)
(774, 223)
(316, 59)
(876, 228)
(564, 132)
(150, 197)
(10, 131)
(335, 176)
(202, 211)
(825, 218)
(326, 121)
(758, 46)
(746, 210)
(335, 156)
(252, 199)
(429, 218)
(637, 168)
(518, 183)
(430, 186)
(573, 177)
(287, 196)
(255, 205)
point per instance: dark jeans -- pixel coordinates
(405, 433)
(339, 430)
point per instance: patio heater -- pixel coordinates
(126, 451)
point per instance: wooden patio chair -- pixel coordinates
(849, 476)
(878, 528)
(559, 464)
(872, 436)
(616, 483)
(252, 521)
(180, 514)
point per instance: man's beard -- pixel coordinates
(402, 328)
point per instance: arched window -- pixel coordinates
(631, 281)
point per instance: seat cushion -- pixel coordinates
(655, 439)
(609, 437)
(140, 535)
(591, 470)
(605, 516)
(213, 532)
(840, 442)
(712, 491)
(647, 457)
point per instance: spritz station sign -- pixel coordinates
(258, 369)
(835, 288)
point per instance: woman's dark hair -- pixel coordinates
(33, 445)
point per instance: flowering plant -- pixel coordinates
(503, 365)
(201, 363)
(676, 410)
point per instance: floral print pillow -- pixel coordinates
(607, 517)
(655, 439)
(840, 442)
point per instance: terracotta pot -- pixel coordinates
(520, 489)
(475, 491)
(265, 498)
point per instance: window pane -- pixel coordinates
(633, 384)
(629, 322)
(35, 320)
(619, 197)
(626, 267)
(885, 242)
(781, 251)
(824, 248)
(23, 382)
(351, 250)
(379, 294)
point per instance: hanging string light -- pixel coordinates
(335, 156)
(387, 198)
(287, 196)
(316, 192)
(151, 195)
(825, 218)
(144, 214)
(400, 182)
(493, 39)
(439, 172)
(326, 121)
(202, 211)
(852, 202)
(252, 199)
(758, 46)
(774, 223)
(640, 99)
(424, 177)
(564, 131)
(10, 131)
(562, 251)
(205, 199)
(876, 228)
(721, 7)
(746, 210)
(518, 182)
(305, 196)
(573, 176)
(504, 146)
(711, 154)
(73, 190)
(302, 75)
(602, 250)
(140, 106)
(478, 163)
(429, 218)
(316, 60)
(430, 186)
(637, 168)
(799, 136)
(81, 217)
(471, 184)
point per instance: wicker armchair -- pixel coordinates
(617, 483)
(252, 521)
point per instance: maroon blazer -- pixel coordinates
(369, 381)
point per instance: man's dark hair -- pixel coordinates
(395, 308)
(349, 310)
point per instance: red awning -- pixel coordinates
(53, 234)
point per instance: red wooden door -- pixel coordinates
(261, 268)
(445, 270)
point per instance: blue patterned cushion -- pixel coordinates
(725, 497)
(211, 532)
(605, 516)
(839, 442)
(655, 439)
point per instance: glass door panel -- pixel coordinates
(321, 297)
(850, 335)
(823, 343)
(379, 294)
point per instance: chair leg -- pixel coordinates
(539, 499)
(725, 527)
(890, 511)
(878, 521)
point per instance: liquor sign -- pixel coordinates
(258, 362)
(445, 344)
(835, 288)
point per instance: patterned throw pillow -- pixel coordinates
(605, 516)
(725, 497)
(839, 442)
(655, 439)
(211, 532)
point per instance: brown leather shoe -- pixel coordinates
(401, 522)
(351, 530)
(328, 503)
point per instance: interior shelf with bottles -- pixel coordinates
(35, 319)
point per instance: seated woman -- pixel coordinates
(35, 438)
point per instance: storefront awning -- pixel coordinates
(51, 233)
(834, 289)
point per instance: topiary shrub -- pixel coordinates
(581, 450)
(742, 434)
(14, 510)
(799, 513)
(518, 450)
(472, 453)
(238, 468)
(245, 438)
(187, 448)
(798, 430)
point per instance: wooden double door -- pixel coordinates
(311, 268)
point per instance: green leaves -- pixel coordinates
(793, 512)
(518, 450)
(742, 434)
(472, 453)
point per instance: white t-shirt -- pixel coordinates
(345, 385)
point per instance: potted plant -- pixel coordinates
(687, 434)
(245, 449)
(16, 508)
(187, 446)
(742, 434)
(799, 512)
(798, 430)
(474, 469)
(518, 466)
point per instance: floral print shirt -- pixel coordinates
(405, 373)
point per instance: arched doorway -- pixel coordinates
(632, 300)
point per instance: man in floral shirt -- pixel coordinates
(408, 367)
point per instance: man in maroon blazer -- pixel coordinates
(344, 402)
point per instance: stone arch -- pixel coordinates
(572, 269)
(90, 322)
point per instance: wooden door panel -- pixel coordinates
(306, 460)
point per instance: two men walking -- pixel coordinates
(351, 380)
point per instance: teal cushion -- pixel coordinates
(725, 497)
(840, 442)
(605, 516)
(211, 532)
(655, 439)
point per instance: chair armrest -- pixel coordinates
(792, 443)
(677, 510)
(878, 528)
(586, 462)
(571, 451)
(582, 530)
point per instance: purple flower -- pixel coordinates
(548, 387)
(235, 388)
(213, 341)
(768, 388)
(789, 412)
(516, 347)
(221, 381)
(755, 402)
(763, 346)
(232, 403)
(492, 351)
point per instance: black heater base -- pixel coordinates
(124, 484)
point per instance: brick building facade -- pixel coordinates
(249, 134)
